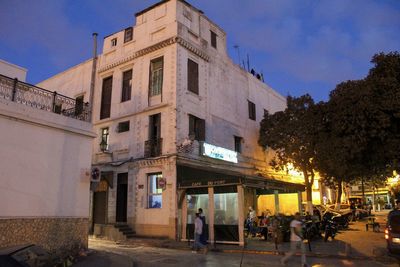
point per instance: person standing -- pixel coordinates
(198, 228)
(251, 218)
(296, 241)
(203, 237)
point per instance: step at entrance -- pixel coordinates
(126, 230)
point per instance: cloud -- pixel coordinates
(306, 42)
(313, 41)
(42, 25)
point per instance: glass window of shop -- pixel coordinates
(196, 199)
(226, 214)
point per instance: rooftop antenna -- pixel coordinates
(248, 63)
(238, 52)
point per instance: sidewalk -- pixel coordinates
(353, 243)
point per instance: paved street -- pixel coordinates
(366, 249)
(109, 254)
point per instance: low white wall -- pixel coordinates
(45, 161)
(12, 71)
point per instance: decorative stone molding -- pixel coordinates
(156, 47)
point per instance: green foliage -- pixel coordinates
(360, 130)
(291, 135)
(355, 134)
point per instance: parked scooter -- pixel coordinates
(311, 230)
(330, 229)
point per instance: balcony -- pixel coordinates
(153, 148)
(39, 98)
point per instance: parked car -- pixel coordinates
(341, 219)
(25, 256)
(345, 208)
(392, 231)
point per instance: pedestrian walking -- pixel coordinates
(198, 228)
(296, 241)
(203, 237)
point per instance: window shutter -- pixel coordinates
(126, 86)
(213, 39)
(193, 76)
(106, 98)
(201, 129)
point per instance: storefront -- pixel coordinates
(224, 197)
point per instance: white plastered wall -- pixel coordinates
(45, 163)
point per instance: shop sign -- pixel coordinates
(208, 182)
(221, 153)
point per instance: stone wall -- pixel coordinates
(58, 235)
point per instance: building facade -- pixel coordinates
(44, 168)
(177, 125)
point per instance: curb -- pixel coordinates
(266, 252)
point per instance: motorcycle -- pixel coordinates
(330, 229)
(311, 230)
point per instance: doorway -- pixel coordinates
(100, 203)
(122, 197)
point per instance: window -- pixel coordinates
(154, 187)
(114, 42)
(105, 106)
(197, 128)
(105, 136)
(128, 35)
(126, 86)
(265, 112)
(78, 105)
(193, 76)
(213, 39)
(155, 126)
(238, 144)
(156, 76)
(123, 126)
(252, 110)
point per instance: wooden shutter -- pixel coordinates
(106, 98)
(192, 130)
(78, 105)
(213, 39)
(155, 127)
(193, 76)
(201, 129)
(126, 85)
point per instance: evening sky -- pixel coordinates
(300, 46)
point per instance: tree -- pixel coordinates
(360, 133)
(290, 133)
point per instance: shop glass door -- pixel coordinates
(196, 200)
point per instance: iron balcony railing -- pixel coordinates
(36, 97)
(153, 148)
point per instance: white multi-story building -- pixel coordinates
(177, 124)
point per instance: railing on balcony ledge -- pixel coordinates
(153, 148)
(36, 97)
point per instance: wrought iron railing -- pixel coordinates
(36, 97)
(153, 148)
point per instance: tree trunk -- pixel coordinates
(363, 191)
(339, 195)
(309, 207)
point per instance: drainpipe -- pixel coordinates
(93, 77)
(91, 93)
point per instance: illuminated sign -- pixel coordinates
(221, 153)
